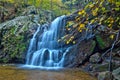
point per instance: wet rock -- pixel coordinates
(116, 74)
(104, 66)
(105, 75)
(78, 54)
(95, 58)
(103, 41)
(87, 67)
(46, 54)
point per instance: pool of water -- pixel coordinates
(13, 72)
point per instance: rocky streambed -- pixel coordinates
(11, 72)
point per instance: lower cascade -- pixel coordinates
(44, 50)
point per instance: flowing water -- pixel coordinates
(15, 73)
(45, 58)
(44, 50)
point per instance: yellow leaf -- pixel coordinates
(67, 42)
(91, 6)
(92, 21)
(103, 8)
(94, 13)
(110, 25)
(81, 12)
(111, 36)
(82, 26)
(72, 37)
(112, 21)
(100, 22)
(77, 19)
(101, 3)
(96, 9)
(101, 19)
(80, 30)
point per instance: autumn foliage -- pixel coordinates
(97, 13)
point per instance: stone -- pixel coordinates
(116, 73)
(105, 76)
(79, 53)
(102, 41)
(95, 58)
(104, 66)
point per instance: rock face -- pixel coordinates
(115, 75)
(15, 34)
(79, 53)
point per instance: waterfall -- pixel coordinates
(44, 50)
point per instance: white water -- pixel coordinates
(44, 51)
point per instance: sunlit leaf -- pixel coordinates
(112, 36)
(81, 12)
(74, 42)
(82, 26)
(92, 21)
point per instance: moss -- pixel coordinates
(93, 46)
(14, 45)
(104, 67)
(5, 60)
(100, 41)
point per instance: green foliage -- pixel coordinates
(14, 45)
(102, 12)
(97, 12)
(54, 5)
(5, 60)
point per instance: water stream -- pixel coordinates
(44, 50)
(46, 57)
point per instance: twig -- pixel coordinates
(111, 50)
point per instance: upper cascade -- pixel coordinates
(44, 50)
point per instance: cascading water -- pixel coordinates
(44, 51)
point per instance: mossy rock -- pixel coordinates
(102, 42)
(116, 73)
(104, 67)
(105, 76)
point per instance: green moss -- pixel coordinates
(5, 60)
(14, 45)
(104, 67)
(100, 41)
(93, 46)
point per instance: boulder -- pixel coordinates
(116, 74)
(79, 53)
(103, 41)
(95, 58)
(105, 76)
